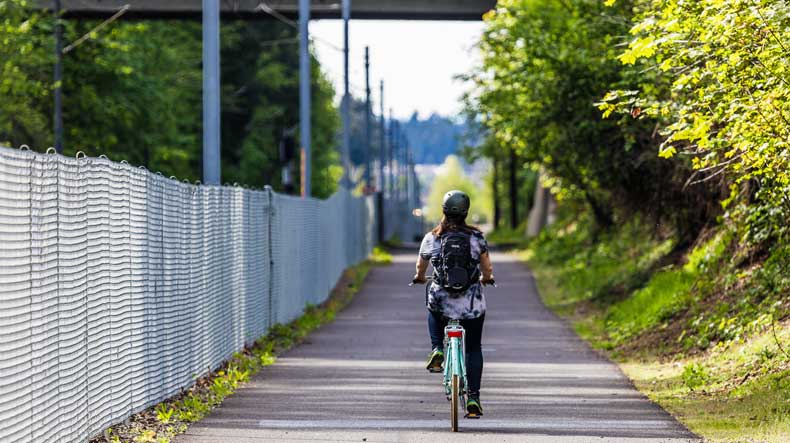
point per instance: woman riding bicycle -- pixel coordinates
(459, 254)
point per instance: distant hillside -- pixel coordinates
(434, 138)
(431, 139)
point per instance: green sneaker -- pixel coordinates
(435, 360)
(473, 407)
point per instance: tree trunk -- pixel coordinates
(513, 191)
(603, 215)
(495, 194)
(539, 214)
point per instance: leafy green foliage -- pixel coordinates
(597, 269)
(260, 84)
(723, 99)
(132, 91)
(694, 375)
(545, 64)
(706, 339)
(695, 111)
(666, 294)
(691, 137)
(25, 80)
(708, 301)
(164, 413)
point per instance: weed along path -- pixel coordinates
(362, 378)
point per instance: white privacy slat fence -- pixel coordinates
(119, 286)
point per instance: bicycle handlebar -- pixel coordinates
(491, 282)
(414, 282)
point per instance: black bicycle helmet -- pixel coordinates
(455, 204)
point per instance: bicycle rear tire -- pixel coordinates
(455, 396)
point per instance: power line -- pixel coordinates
(278, 41)
(266, 8)
(98, 28)
(330, 45)
(262, 6)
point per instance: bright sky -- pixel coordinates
(416, 59)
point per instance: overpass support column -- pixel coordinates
(346, 103)
(304, 94)
(211, 101)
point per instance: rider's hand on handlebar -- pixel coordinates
(418, 280)
(488, 281)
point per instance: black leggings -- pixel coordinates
(474, 335)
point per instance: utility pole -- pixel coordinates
(211, 103)
(390, 157)
(406, 168)
(58, 89)
(304, 94)
(346, 103)
(409, 183)
(402, 147)
(396, 157)
(382, 153)
(368, 175)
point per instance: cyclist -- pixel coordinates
(467, 305)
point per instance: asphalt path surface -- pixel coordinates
(363, 378)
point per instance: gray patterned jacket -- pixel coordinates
(472, 303)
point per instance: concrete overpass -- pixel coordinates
(250, 9)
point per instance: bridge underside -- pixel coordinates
(251, 9)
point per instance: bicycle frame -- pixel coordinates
(455, 356)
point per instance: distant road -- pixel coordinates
(362, 378)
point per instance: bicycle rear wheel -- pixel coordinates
(455, 395)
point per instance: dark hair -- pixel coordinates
(453, 224)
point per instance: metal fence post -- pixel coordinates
(269, 217)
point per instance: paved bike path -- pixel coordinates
(362, 378)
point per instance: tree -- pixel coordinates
(719, 93)
(451, 176)
(260, 83)
(25, 80)
(545, 64)
(133, 92)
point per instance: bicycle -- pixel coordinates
(454, 380)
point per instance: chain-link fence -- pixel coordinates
(119, 286)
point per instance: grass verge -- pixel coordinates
(171, 417)
(734, 393)
(703, 331)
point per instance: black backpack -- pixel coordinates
(454, 268)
